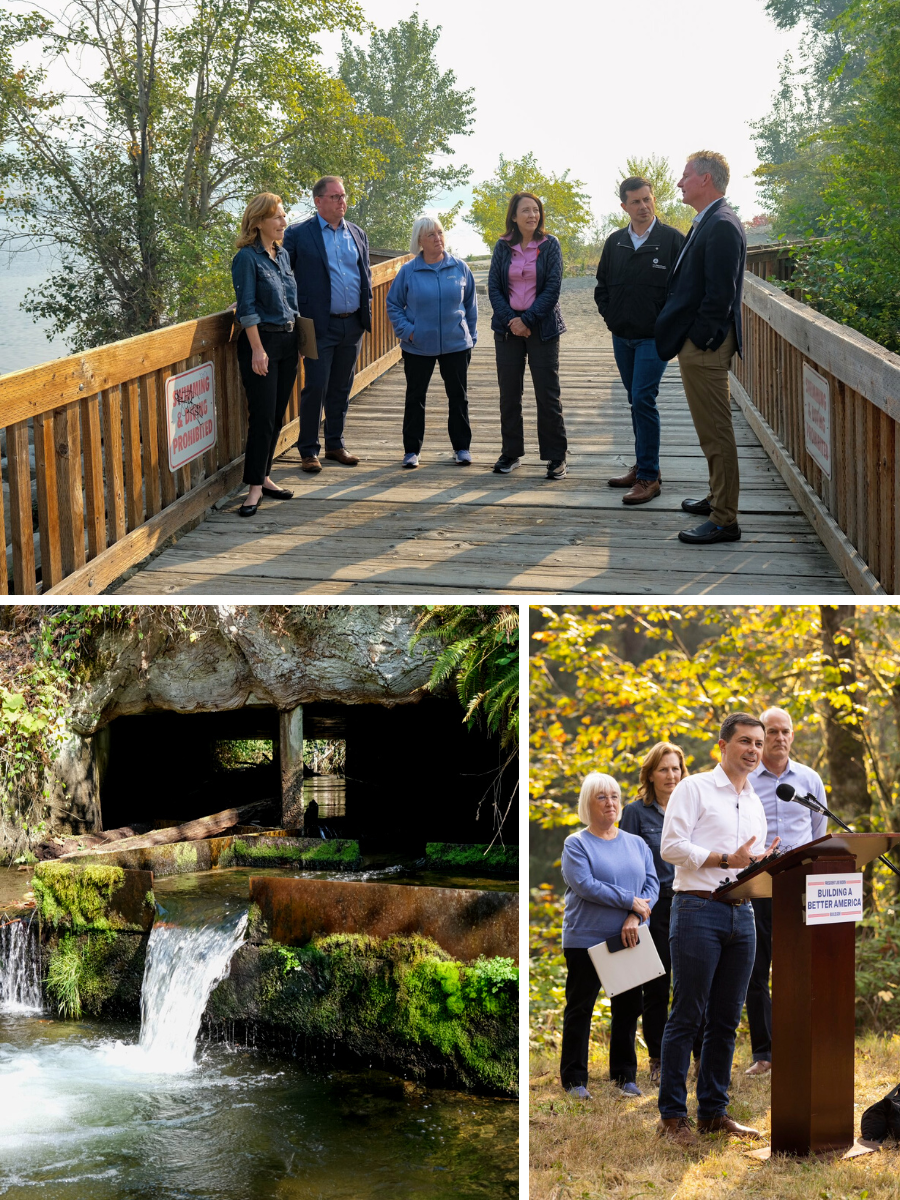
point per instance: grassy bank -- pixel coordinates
(607, 1148)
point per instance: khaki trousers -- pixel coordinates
(705, 377)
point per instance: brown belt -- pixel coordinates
(713, 896)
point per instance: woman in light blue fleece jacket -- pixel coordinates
(433, 310)
(611, 885)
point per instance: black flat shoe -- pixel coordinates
(700, 508)
(709, 532)
(248, 510)
(278, 493)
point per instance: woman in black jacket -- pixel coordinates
(524, 282)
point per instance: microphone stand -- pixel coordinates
(815, 805)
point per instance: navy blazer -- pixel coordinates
(309, 262)
(704, 295)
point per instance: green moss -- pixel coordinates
(334, 855)
(97, 973)
(400, 1000)
(454, 855)
(76, 895)
(185, 858)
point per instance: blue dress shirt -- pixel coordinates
(343, 266)
(794, 824)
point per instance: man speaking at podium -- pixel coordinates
(795, 826)
(714, 827)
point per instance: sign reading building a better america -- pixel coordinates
(831, 898)
(190, 414)
(817, 418)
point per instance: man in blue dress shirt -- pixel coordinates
(796, 826)
(330, 260)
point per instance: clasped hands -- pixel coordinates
(519, 328)
(640, 912)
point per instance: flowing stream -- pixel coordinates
(20, 969)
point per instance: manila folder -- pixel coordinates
(306, 337)
(628, 967)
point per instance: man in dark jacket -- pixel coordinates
(330, 259)
(634, 270)
(701, 323)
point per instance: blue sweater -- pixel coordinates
(433, 308)
(602, 879)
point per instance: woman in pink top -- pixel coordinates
(524, 285)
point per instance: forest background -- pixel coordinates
(607, 682)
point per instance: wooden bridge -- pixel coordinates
(105, 498)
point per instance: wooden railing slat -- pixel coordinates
(94, 500)
(150, 444)
(131, 436)
(112, 458)
(48, 503)
(22, 526)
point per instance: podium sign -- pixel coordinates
(831, 898)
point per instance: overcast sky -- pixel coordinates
(584, 85)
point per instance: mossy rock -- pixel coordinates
(399, 1001)
(93, 896)
(312, 854)
(448, 856)
(96, 974)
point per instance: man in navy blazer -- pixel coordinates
(330, 259)
(701, 323)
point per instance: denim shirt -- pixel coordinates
(646, 820)
(343, 266)
(266, 291)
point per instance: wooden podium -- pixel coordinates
(813, 988)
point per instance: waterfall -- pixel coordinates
(184, 964)
(20, 970)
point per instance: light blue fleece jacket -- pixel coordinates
(433, 308)
(602, 879)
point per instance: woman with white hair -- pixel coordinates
(611, 886)
(433, 310)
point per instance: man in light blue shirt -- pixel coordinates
(796, 826)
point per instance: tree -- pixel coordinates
(565, 205)
(136, 169)
(669, 207)
(397, 78)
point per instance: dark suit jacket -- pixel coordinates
(309, 262)
(705, 288)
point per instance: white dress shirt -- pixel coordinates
(638, 239)
(705, 813)
(793, 823)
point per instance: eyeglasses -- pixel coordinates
(336, 196)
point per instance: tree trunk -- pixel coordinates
(846, 757)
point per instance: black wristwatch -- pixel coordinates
(723, 862)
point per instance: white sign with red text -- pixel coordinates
(190, 414)
(817, 418)
(831, 898)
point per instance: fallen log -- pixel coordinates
(190, 831)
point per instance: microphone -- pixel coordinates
(784, 791)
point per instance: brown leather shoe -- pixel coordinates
(724, 1124)
(311, 464)
(760, 1067)
(643, 490)
(629, 479)
(655, 1071)
(677, 1130)
(341, 456)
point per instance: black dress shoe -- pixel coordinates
(278, 493)
(709, 532)
(248, 510)
(701, 508)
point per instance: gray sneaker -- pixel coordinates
(630, 1089)
(464, 458)
(579, 1092)
(504, 465)
(410, 461)
(556, 468)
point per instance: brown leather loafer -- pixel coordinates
(655, 1070)
(643, 490)
(724, 1124)
(629, 479)
(310, 464)
(760, 1067)
(341, 456)
(677, 1130)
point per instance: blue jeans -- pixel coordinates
(641, 369)
(713, 946)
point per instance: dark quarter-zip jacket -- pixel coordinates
(631, 284)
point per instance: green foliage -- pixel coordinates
(65, 972)
(455, 855)
(97, 973)
(566, 206)
(77, 896)
(397, 78)
(136, 169)
(243, 752)
(336, 854)
(481, 654)
(325, 756)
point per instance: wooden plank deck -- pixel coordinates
(377, 529)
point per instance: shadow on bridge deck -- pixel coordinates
(443, 529)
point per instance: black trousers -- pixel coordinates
(267, 398)
(327, 383)
(582, 990)
(454, 370)
(759, 1000)
(543, 362)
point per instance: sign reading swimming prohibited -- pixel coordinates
(817, 418)
(190, 414)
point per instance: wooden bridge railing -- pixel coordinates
(840, 413)
(87, 490)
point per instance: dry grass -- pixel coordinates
(608, 1148)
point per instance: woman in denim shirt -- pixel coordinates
(267, 352)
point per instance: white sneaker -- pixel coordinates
(464, 458)
(410, 460)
